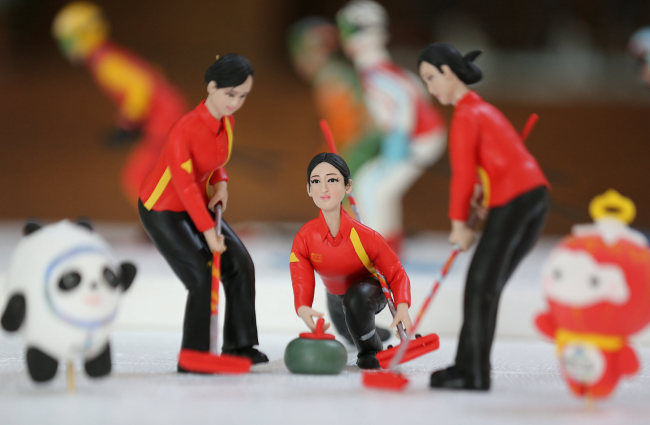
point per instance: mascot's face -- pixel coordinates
(82, 287)
(595, 286)
(575, 279)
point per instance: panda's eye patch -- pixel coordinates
(111, 277)
(69, 281)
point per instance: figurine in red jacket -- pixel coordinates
(483, 146)
(346, 255)
(176, 199)
(148, 105)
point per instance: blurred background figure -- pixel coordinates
(315, 54)
(147, 103)
(413, 132)
(639, 48)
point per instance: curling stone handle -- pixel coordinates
(320, 323)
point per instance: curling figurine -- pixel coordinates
(346, 255)
(483, 145)
(597, 285)
(147, 103)
(413, 134)
(337, 91)
(64, 287)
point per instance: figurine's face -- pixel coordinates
(309, 61)
(440, 84)
(575, 279)
(326, 187)
(227, 100)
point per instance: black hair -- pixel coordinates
(333, 159)
(438, 54)
(229, 71)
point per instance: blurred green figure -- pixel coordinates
(314, 49)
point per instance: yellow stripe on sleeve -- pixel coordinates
(485, 182)
(361, 252)
(159, 189)
(293, 258)
(229, 133)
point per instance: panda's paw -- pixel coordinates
(41, 366)
(101, 365)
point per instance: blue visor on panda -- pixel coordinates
(81, 288)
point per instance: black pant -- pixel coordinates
(509, 233)
(189, 256)
(357, 309)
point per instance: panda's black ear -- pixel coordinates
(84, 222)
(127, 274)
(31, 226)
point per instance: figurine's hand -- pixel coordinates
(402, 315)
(307, 314)
(461, 235)
(123, 136)
(220, 194)
(217, 243)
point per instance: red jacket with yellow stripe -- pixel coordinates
(482, 140)
(143, 96)
(343, 260)
(197, 148)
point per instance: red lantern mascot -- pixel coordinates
(597, 285)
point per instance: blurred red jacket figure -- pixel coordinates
(147, 103)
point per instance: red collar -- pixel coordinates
(213, 124)
(469, 97)
(344, 229)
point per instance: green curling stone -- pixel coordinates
(315, 353)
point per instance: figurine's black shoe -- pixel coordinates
(254, 354)
(367, 360)
(457, 379)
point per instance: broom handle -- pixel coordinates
(214, 290)
(385, 289)
(530, 123)
(437, 281)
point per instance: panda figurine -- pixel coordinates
(63, 288)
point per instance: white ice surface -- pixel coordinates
(145, 389)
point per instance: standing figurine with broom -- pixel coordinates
(175, 208)
(483, 146)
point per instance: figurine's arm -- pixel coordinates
(387, 263)
(133, 85)
(463, 136)
(545, 324)
(14, 314)
(398, 281)
(628, 361)
(302, 274)
(183, 178)
(127, 274)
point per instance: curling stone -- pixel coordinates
(315, 353)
